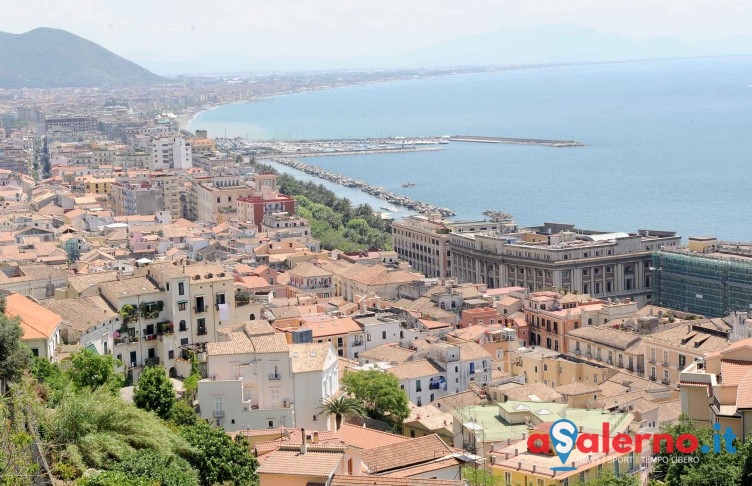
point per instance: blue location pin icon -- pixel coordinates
(563, 434)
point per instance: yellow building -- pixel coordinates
(99, 185)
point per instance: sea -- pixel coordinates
(668, 144)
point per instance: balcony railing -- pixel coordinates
(665, 364)
(200, 309)
(275, 376)
(357, 343)
(126, 340)
(201, 331)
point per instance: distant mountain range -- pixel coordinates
(544, 44)
(48, 58)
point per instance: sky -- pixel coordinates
(158, 33)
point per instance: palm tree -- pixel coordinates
(341, 406)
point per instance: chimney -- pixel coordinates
(316, 437)
(303, 444)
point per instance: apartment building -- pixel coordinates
(256, 380)
(40, 326)
(562, 257)
(550, 316)
(310, 278)
(613, 347)
(423, 242)
(669, 351)
(170, 152)
(213, 199)
(81, 123)
(540, 365)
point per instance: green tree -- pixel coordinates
(183, 414)
(341, 406)
(93, 429)
(608, 478)
(16, 465)
(380, 393)
(14, 355)
(218, 459)
(154, 392)
(478, 476)
(711, 468)
(112, 478)
(91, 370)
(166, 470)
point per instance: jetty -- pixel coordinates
(379, 192)
(516, 141)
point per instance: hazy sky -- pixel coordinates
(151, 31)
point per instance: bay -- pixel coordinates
(668, 143)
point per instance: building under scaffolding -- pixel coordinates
(707, 277)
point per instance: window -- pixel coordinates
(508, 478)
(200, 307)
(275, 398)
(181, 288)
(383, 334)
(420, 402)
(271, 424)
(171, 354)
(201, 323)
(182, 326)
(682, 361)
(35, 352)
(417, 386)
(220, 298)
(181, 305)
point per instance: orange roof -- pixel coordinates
(329, 326)
(363, 438)
(744, 392)
(37, 322)
(429, 324)
(253, 282)
(732, 371)
(739, 344)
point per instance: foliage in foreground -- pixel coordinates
(219, 459)
(14, 355)
(95, 430)
(154, 392)
(380, 393)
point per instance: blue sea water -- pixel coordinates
(668, 143)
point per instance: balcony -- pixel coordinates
(126, 340)
(201, 331)
(218, 414)
(275, 376)
(357, 343)
(651, 360)
(665, 381)
(665, 364)
(200, 309)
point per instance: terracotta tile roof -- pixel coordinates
(391, 353)
(128, 287)
(474, 351)
(606, 336)
(429, 324)
(309, 356)
(577, 388)
(415, 369)
(737, 345)
(392, 481)
(308, 269)
(365, 439)
(525, 393)
(323, 326)
(744, 392)
(413, 452)
(36, 321)
(425, 468)
(668, 412)
(732, 371)
(83, 312)
(311, 464)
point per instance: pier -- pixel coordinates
(379, 192)
(516, 141)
